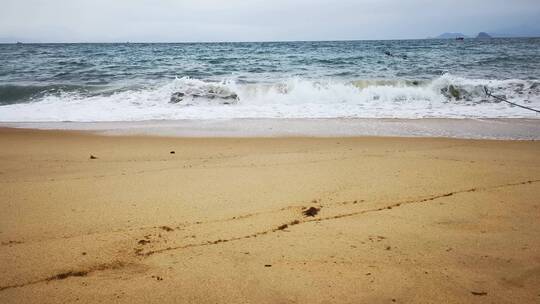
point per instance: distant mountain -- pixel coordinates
(509, 33)
(483, 35)
(451, 36)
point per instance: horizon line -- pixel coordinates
(249, 41)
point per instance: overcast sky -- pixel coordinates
(257, 20)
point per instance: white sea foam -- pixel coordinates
(293, 98)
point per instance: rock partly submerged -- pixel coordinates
(209, 93)
(455, 92)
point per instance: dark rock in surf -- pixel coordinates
(177, 97)
(456, 93)
(224, 96)
(389, 54)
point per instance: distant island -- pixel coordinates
(451, 36)
(483, 35)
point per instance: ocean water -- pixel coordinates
(345, 79)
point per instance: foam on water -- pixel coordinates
(447, 96)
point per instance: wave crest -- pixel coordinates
(186, 98)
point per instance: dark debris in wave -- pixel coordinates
(222, 95)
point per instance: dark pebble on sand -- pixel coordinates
(479, 293)
(158, 278)
(311, 211)
(283, 227)
(166, 228)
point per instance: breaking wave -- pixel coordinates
(447, 96)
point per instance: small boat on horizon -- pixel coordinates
(460, 38)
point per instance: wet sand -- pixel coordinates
(267, 220)
(497, 128)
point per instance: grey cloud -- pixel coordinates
(256, 20)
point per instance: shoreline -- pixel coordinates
(503, 129)
(218, 220)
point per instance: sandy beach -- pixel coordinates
(267, 220)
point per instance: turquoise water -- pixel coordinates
(406, 79)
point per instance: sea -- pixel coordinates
(401, 79)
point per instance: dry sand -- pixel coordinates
(404, 220)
